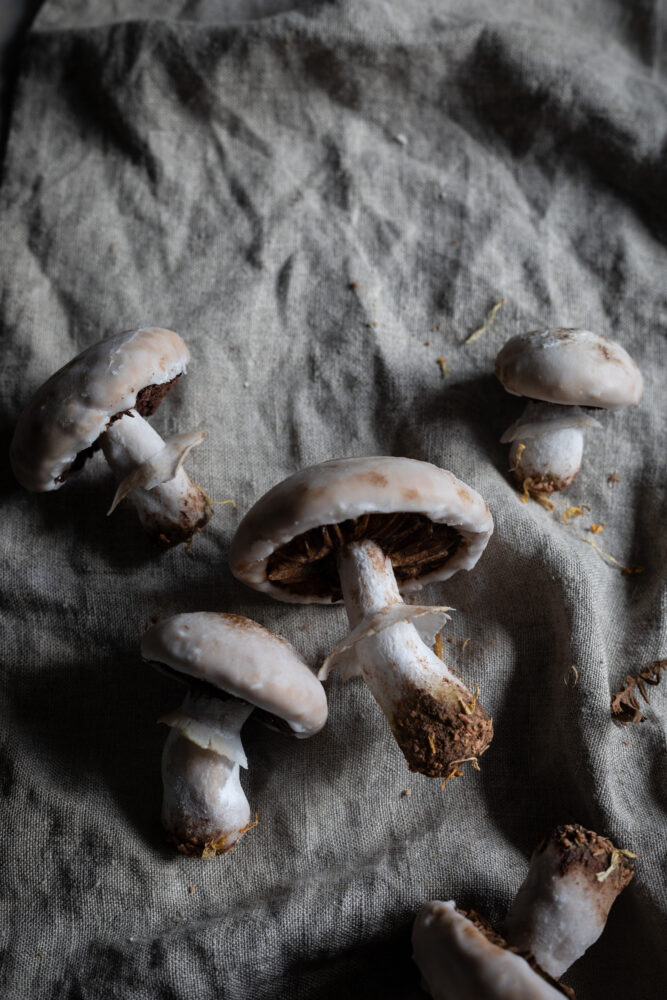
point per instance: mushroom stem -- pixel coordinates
(436, 721)
(204, 809)
(547, 445)
(170, 512)
(562, 907)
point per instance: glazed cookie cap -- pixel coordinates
(72, 409)
(425, 519)
(236, 655)
(573, 367)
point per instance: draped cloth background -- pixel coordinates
(324, 199)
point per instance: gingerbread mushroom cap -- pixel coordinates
(240, 657)
(425, 519)
(67, 415)
(569, 366)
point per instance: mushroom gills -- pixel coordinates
(435, 720)
(415, 543)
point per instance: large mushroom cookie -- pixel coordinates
(99, 400)
(363, 530)
(235, 666)
(561, 371)
(559, 912)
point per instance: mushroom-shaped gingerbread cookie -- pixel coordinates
(363, 530)
(99, 400)
(561, 371)
(236, 666)
(558, 913)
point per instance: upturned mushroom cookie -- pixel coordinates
(363, 530)
(561, 371)
(100, 400)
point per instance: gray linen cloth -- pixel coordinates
(324, 200)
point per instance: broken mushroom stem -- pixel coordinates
(435, 719)
(547, 445)
(150, 473)
(562, 906)
(204, 809)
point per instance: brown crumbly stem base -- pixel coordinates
(436, 735)
(541, 484)
(485, 927)
(196, 514)
(195, 845)
(415, 544)
(590, 853)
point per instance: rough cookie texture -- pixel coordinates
(414, 543)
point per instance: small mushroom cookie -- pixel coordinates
(99, 400)
(236, 666)
(561, 371)
(362, 530)
(558, 913)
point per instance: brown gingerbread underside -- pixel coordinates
(416, 546)
(485, 927)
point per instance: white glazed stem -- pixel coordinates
(554, 459)
(561, 908)
(170, 512)
(435, 720)
(548, 445)
(204, 809)
(396, 659)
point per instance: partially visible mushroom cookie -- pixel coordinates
(562, 907)
(100, 400)
(460, 959)
(558, 913)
